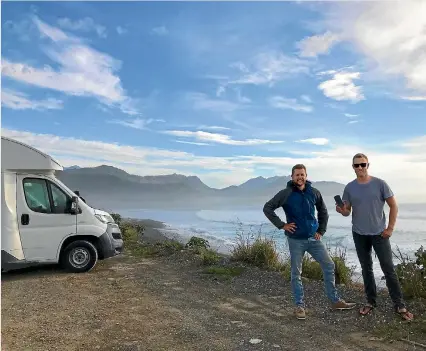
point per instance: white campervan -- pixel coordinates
(43, 221)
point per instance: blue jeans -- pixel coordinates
(318, 251)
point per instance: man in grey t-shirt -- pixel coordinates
(365, 197)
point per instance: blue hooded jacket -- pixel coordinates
(299, 208)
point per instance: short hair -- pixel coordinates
(359, 155)
(298, 166)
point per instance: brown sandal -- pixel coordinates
(405, 314)
(366, 309)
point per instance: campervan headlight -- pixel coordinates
(104, 218)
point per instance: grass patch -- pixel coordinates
(258, 250)
(228, 272)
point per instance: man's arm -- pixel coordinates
(277, 201)
(322, 213)
(391, 201)
(346, 211)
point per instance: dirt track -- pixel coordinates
(168, 304)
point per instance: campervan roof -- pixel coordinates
(17, 156)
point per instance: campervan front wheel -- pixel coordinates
(79, 256)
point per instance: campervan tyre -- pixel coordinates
(43, 221)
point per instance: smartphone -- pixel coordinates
(339, 201)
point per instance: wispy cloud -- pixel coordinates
(19, 101)
(290, 104)
(414, 98)
(317, 44)
(86, 24)
(191, 143)
(137, 123)
(341, 87)
(213, 128)
(306, 98)
(314, 141)
(219, 138)
(268, 68)
(349, 115)
(162, 30)
(82, 71)
(121, 30)
(201, 101)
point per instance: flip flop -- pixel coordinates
(366, 309)
(405, 315)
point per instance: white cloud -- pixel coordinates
(315, 141)
(291, 104)
(392, 38)
(219, 138)
(341, 87)
(19, 101)
(353, 122)
(86, 24)
(317, 44)
(334, 165)
(82, 71)
(350, 115)
(162, 30)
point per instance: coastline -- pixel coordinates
(159, 232)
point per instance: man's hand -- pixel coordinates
(290, 227)
(387, 233)
(342, 210)
(317, 236)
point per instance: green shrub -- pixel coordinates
(224, 271)
(412, 274)
(117, 218)
(197, 244)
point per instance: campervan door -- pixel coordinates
(44, 217)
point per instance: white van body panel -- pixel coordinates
(10, 238)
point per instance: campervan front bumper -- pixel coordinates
(112, 241)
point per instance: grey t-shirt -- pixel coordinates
(367, 201)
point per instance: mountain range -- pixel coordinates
(113, 189)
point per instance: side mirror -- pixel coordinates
(74, 205)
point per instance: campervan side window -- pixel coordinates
(37, 195)
(61, 201)
(45, 197)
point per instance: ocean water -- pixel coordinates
(221, 227)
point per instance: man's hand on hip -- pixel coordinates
(290, 227)
(317, 236)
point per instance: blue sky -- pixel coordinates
(226, 91)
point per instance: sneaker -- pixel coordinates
(342, 305)
(300, 313)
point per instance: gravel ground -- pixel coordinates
(168, 303)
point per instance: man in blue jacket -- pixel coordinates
(304, 232)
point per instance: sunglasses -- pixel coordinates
(363, 165)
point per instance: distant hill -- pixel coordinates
(112, 188)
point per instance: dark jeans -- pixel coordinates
(382, 247)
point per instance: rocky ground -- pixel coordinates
(170, 303)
